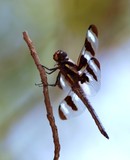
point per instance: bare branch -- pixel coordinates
(45, 94)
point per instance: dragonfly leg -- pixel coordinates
(50, 69)
(52, 85)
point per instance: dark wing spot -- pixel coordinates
(94, 29)
(89, 47)
(70, 103)
(61, 114)
(96, 62)
(82, 63)
(91, 72)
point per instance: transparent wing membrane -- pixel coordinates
(71, 106)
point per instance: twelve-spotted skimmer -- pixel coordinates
(82, 79)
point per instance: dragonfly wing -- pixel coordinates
(63, 84)
(71, 106)
(93, 73)
(88, 64)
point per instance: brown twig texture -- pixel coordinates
(45, 94)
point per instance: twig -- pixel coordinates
(45, 94)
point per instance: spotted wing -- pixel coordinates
(62, 83)
(71, 106)
(88, 64)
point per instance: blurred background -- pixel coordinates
(25, 133)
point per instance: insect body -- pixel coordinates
(82, 79)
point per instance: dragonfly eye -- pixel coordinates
(60, 56)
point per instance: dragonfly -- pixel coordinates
(81, 79)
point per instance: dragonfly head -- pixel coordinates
(60, 56)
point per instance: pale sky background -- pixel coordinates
(25, 133)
